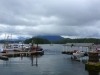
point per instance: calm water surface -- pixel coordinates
(51, 63)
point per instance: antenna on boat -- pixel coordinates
(11, 38)
(4, 39)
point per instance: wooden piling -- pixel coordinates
(93, 57)
(93, 62)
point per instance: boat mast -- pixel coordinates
(5, 40)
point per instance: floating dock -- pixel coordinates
(71, 52)
(67, 52)
(6, 56)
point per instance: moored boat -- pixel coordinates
(78, 54)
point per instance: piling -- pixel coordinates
(93, 57)
(93, 62)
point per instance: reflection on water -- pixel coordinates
(34, 57)
(51, 63)
(20, 60)
(93, 73)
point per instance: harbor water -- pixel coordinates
(53, 62)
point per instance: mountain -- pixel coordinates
(50, 37)
(22, 38)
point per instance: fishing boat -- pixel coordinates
(6, 48)
(33, 47)
(7, 45)
(18, 46)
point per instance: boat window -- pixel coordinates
(22, 45)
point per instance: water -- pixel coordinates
(51, 63)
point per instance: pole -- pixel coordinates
(22, 45)
(37, 45)
(31, 45)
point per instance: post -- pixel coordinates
(93, 57)
(82, 48)
(31, 45)
(37, 45)
(22, 45)
(66, 48)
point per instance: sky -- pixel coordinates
(67, 18)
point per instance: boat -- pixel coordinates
(7, 45)
(78, 54)
(36, 48)
(33, 47)
(6, 48)
(18, 46)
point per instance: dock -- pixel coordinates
(69, 48)
(67, 52)
(6, 56)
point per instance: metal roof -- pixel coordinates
(79, 44)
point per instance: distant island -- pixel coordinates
(42, 40)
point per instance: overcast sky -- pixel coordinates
(68, 18)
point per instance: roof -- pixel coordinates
(79, 44)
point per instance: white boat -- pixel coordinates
(6, 48)
(78, 54)
(7, 45)
(19, 46)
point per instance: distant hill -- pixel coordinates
(22, 38)
(50, 37)
(13, 40)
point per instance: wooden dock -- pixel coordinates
(71, 53)
(6, 56)
(67, 52)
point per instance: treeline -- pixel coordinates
(9, 41)
(37, 40)
(61, 41)
(79, 40)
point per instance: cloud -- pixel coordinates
(68, 18)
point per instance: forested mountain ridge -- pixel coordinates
(56, 41)
(64, 40)
(79, 40)
(37, 40)
(50, 37)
